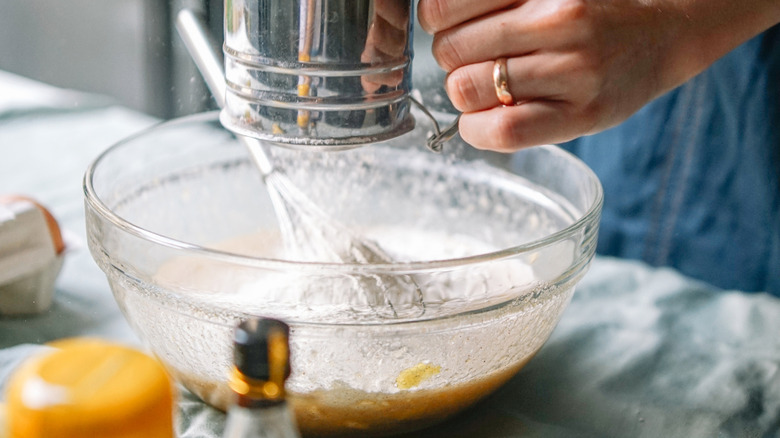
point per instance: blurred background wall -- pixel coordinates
(129, 50)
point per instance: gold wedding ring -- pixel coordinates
(501, 82)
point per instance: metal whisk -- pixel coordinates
(307, 231)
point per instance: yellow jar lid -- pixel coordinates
(3, 427)
(90, 388)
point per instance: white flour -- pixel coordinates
(341, 298)
(363, 357)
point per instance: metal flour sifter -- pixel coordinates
(331, 74)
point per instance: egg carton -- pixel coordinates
(31, 256)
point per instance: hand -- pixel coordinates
(576, 67)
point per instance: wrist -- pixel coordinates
(709, 29)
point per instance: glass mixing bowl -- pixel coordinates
(181, 224)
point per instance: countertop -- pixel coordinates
(640, 352)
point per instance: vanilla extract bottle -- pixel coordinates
(261, 367)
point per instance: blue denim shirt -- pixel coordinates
(692, 180)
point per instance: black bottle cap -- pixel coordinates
(252, 343)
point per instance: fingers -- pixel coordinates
(437, 15)
(548, 76)
(508, 129)
(481, 40)
(515, 31)
(574, 66)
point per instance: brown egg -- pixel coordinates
(54, 228)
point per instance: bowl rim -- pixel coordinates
(93, 200)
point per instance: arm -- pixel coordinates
(577, 67)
